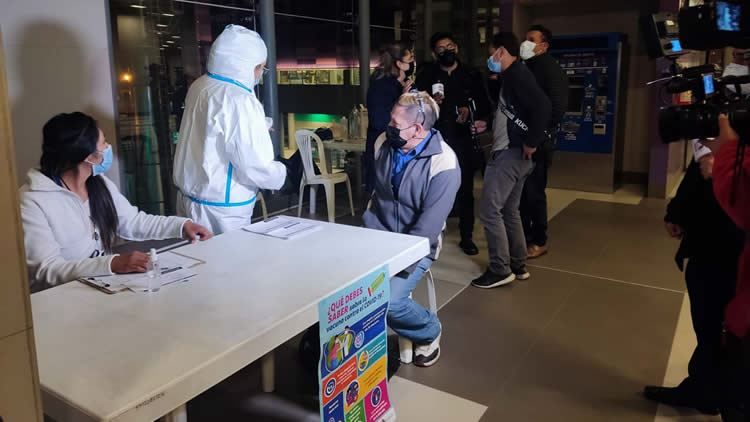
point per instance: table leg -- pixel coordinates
(267, 373)
(177, 415)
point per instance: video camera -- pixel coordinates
(713, 25)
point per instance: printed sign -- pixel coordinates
(353, 369)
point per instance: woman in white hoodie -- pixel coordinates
(72, 214)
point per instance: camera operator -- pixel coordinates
(731, 174)
(712, 244)
(452, 84)
(554, 82)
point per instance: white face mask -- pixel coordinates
(527, 49)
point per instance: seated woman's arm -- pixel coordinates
(137, 225)
(47, 267)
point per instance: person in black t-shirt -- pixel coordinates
(453, 85)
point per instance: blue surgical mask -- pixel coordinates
(105, 164)
(495, 67)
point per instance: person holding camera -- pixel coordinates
(453, 86)
(712, 244)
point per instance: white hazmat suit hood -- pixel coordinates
(224, 152)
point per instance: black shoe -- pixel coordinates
(468, 247)
(675, 397)
(489, 280)
(522, 274)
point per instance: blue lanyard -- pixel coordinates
(227, 80)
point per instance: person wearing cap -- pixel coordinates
(224, 151)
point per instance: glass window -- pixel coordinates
(160, 47)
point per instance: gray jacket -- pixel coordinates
(425, 197)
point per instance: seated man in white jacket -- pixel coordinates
(72, 214)
(224, 152)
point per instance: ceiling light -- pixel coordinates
(137, 6)
(161, 25)
(170, 42)
(177, 37)
(169, 15)
(165, 45)
(126, 77)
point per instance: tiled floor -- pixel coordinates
(603, 314)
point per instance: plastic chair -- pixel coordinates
(405, 346)
(263, 209)
(304, 140)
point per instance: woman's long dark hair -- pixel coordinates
(389, 54)
(68, 139)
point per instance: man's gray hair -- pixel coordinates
(420, 107)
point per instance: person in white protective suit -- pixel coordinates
(224, 151)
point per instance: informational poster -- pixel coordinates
(353, 370)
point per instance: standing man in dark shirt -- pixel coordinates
(452, 85)
(523, 112)
(553, 81)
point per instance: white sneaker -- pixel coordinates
(428, 354)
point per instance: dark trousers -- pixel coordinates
(464, 205)
(534, 201)
(710, 287)
(736, 404)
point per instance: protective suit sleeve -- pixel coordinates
(249, 147)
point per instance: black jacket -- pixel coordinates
(381, 96)
(526, 103)
(708, 233)
(463, 83)
(553, 81)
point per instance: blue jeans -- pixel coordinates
(405, 316)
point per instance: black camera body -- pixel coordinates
(715, 24)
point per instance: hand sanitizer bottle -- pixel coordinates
(154, 272)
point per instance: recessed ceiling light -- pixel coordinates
(170, 42)
(177, 37)
(161, 25)
(165, 45)
(169, 15)
(137, 6)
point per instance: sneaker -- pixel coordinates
(489, 280)
(522, 274)
(535, 251)
(468, 247)
(427, 355)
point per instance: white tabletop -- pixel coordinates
(129, 357)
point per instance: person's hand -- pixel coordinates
(707, 166)
(463, 114)
(528, 152)
(407, 85)
(191, 231)
(480, 126)
(131, 262)
(438, 97)
(673, 229)
(726, 134)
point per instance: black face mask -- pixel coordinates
(447, 58)
(410, 71)
(393, 136)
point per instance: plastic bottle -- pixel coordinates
(154, 272)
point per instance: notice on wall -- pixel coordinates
(353, 369)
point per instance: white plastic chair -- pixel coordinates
(263, 209)
(405, 346)
(304, 140)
